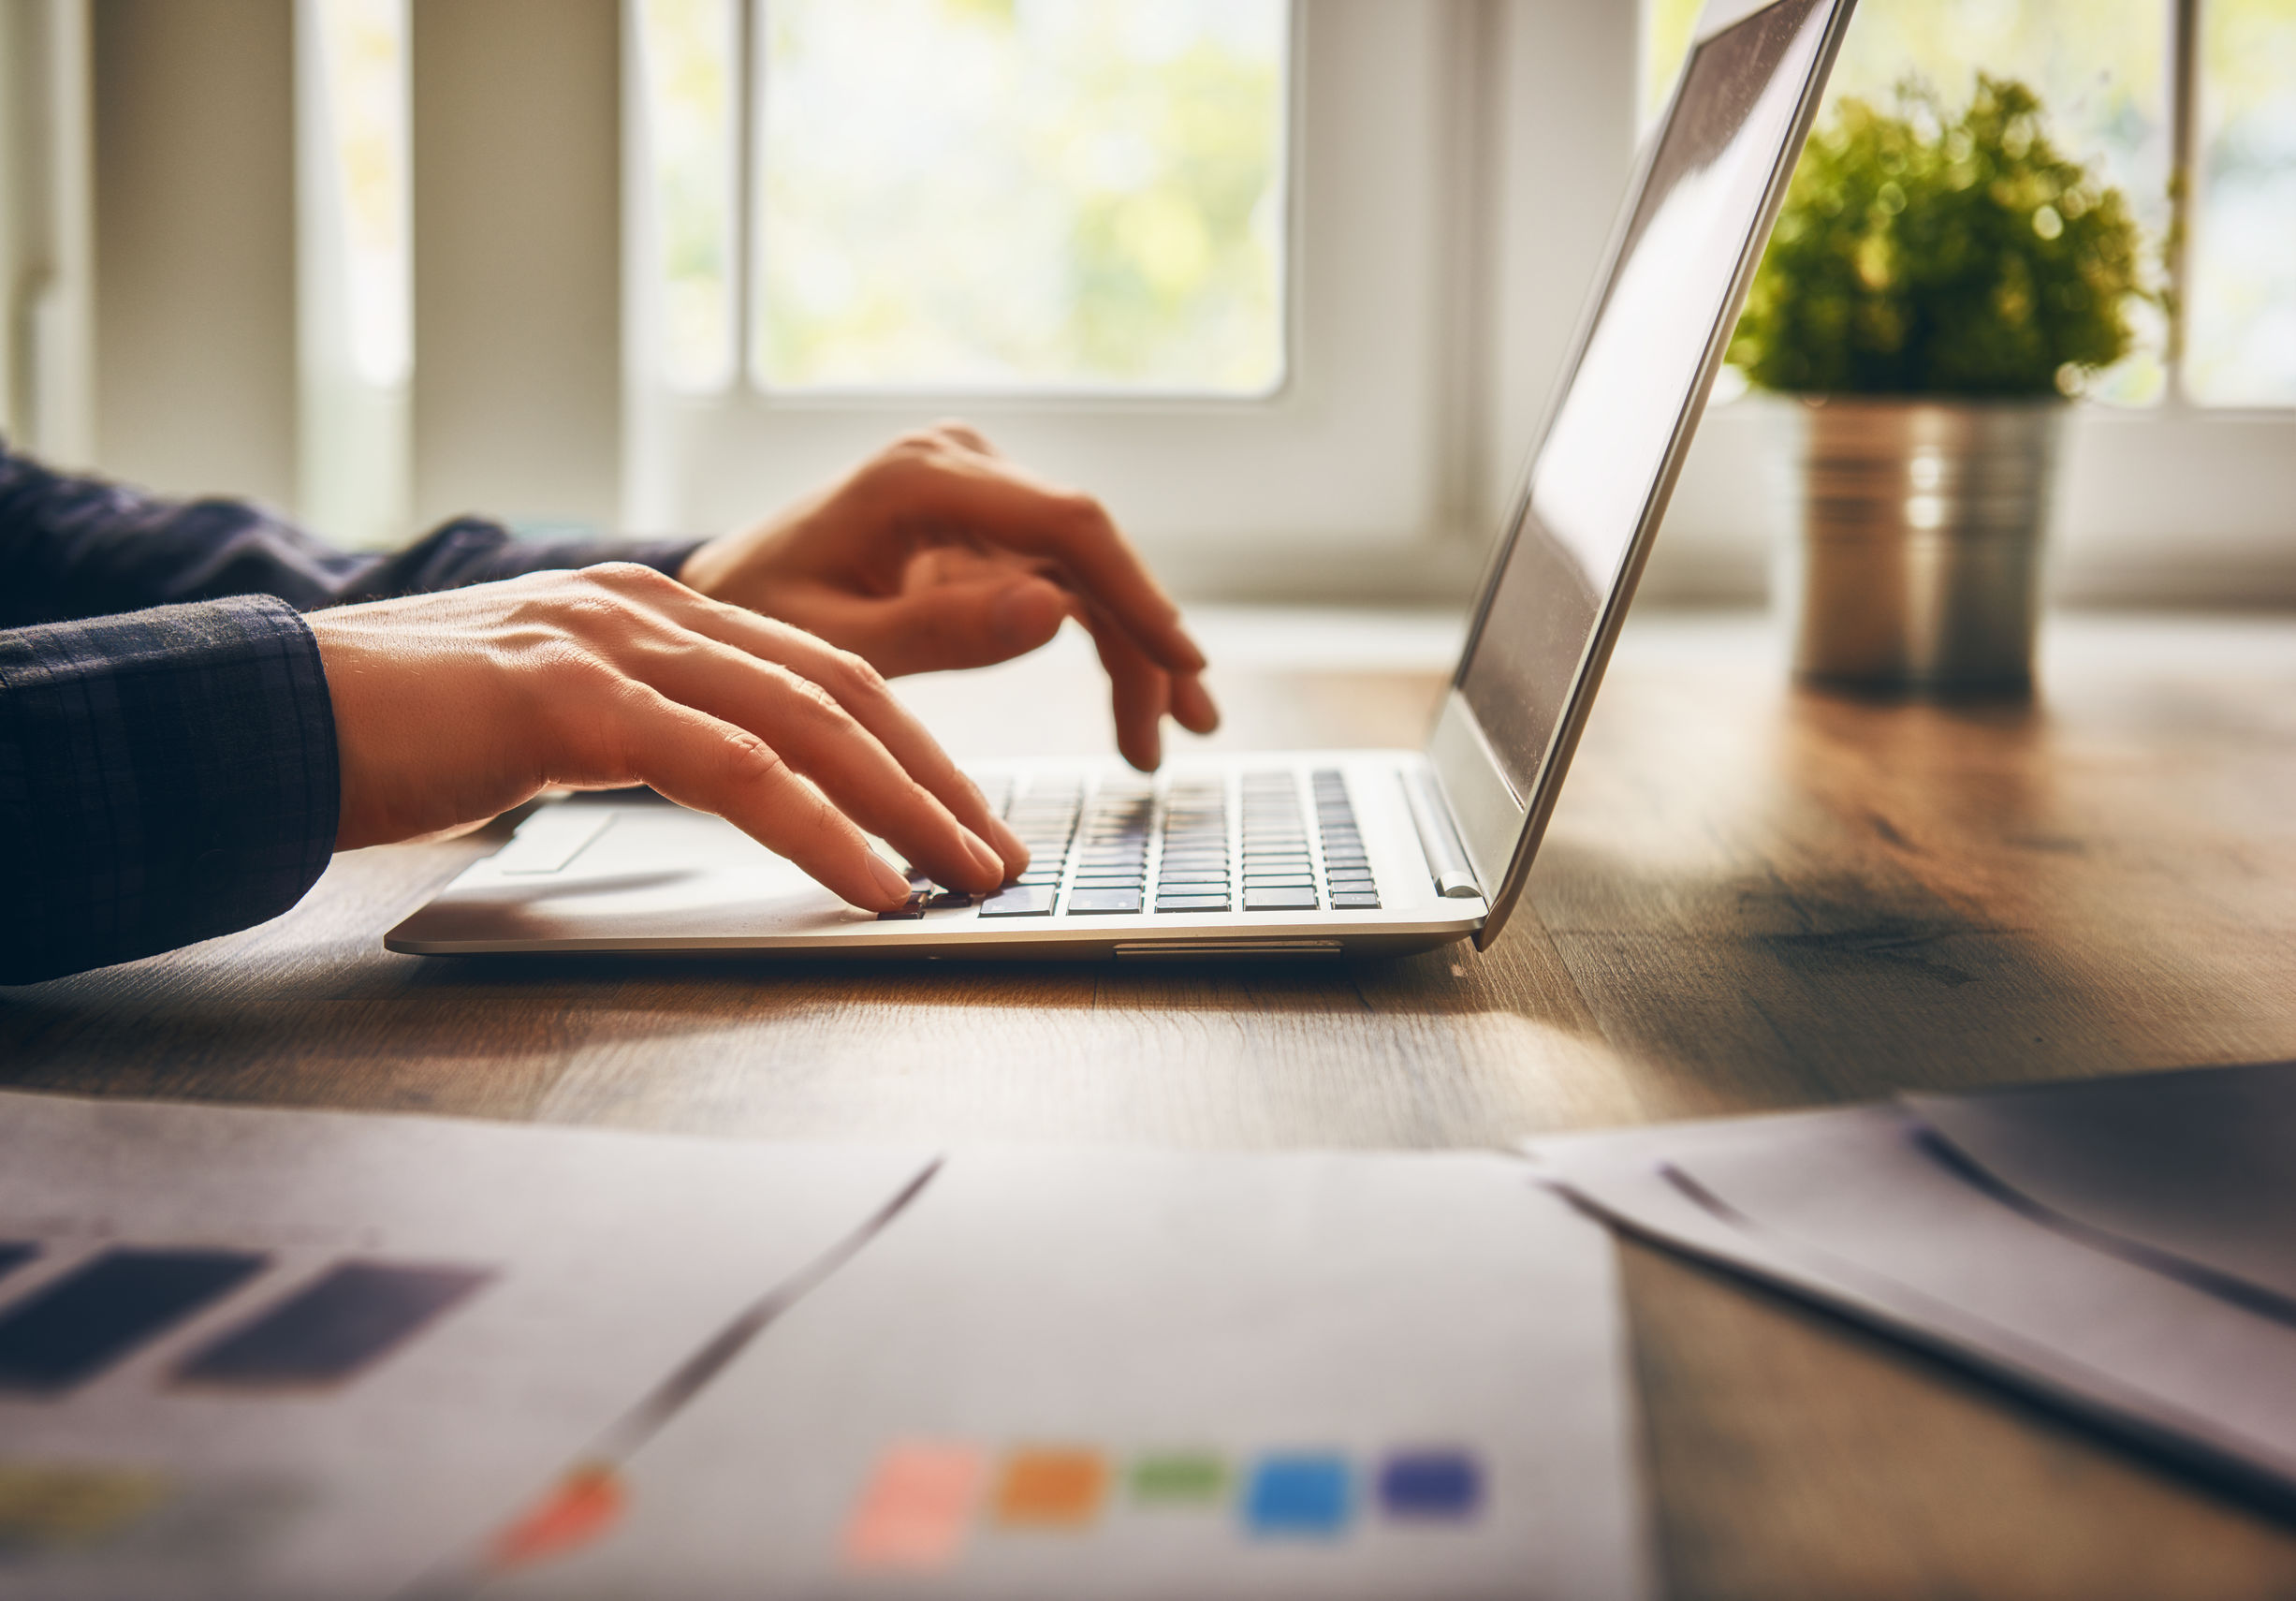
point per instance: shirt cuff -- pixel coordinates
(167, 776)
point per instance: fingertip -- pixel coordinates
(1144, 749)
(892, 885)
(1188, 656)
(1192, 705)
(1009, 848)
(988, 863)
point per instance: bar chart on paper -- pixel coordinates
(257, 1354)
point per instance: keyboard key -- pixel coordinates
(1192, 902)
(1029, 900)
(911, 908)
(1086, 902)
(944, 899)
(1287, 899)
(1353, 901)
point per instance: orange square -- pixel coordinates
(913, 1512)
(1051, 1488)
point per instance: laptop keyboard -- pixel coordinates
(1208, 844)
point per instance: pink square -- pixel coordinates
(913, 1512)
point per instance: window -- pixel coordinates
(2241, 347)
(688, 54)
(354, 336)
(972, 196)
(1202, 255)
(2109, 73)
(2178, 471)
(1075, 195)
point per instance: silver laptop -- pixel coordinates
(1293, 853)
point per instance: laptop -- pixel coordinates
(1292, 853)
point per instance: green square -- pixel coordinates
(1179, 1478)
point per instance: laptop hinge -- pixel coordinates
(1447, 863)
(1479, 806)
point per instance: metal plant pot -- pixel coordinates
(1914, 548)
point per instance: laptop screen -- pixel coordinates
(1637, 377)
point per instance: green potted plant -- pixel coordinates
(1941, 283)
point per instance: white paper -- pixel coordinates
(615, 1256)
(1122, 1305)
(833, 1302)
(1849, 1208)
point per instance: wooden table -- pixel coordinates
(1751, 898)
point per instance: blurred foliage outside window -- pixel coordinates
(1079, 195)
(2102, 69)
(1034, 194)
(2242, 339)
(691, 78)
(363, 52)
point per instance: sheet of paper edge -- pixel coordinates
(1616, 1176)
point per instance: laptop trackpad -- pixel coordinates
(583, 872)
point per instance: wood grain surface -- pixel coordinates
(1751, 898)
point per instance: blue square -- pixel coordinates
(1431, 1484)
(1303, 1493)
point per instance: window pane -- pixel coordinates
(689, 53)
(1667, 25)
(362, 46)
(2100, 67)
(2243, 348)
(1079, 195)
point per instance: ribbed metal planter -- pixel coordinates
(1914, 550)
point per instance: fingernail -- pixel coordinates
(987, 860)
(891, 882)
(1009, 848)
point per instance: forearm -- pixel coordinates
(76, 546)
(165, 777)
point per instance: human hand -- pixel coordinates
(453, 708)
(938, 553)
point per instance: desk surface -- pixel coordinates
(1750, 898)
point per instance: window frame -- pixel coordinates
(1370, 467)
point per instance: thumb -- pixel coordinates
(967, 625)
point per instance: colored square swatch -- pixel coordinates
(913, 1511)
(64, 1506)
(1045, 1488)
(1179, 1478)
(1435, 1484)
(1305, 1495)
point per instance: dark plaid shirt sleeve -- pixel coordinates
(170, 774)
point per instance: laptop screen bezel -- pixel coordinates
(1496, 824)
